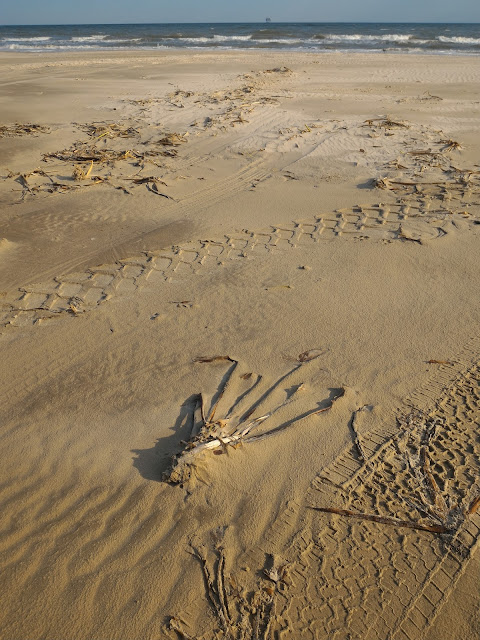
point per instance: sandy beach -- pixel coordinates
(240, 346)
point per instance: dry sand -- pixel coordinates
(315, 218)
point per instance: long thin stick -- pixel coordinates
(288, 424)
(222, 390)
(434, 528)
(356, 436)
(269, 391)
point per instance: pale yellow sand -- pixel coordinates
(315, 203)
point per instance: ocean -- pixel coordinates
(314, 37)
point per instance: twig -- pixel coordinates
(358, 443)
(223, 390)
(474, 506)
(222, 594)
(432, 528)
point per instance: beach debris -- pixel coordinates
(439, 362)
(432, 528)
(306, 356)
(451, 145)
(101, 130)
(17, 129)
(279, 70)
(235, 427)
(401, 234)
(85, 156)
(172, 140)
(51, 186)
(81, 152)
(474, 506)
(386, 123)
(356, 436)
(80, 174)
(240, 614)
(428, 96)
(436, 513)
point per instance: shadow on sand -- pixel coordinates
(153, 463)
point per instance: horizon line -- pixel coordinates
(111, 24)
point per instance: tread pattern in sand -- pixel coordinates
(82, 291)
(378, 581)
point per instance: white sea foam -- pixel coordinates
(459, 40)
(359, 37)
(216, 38)
(232, 39)
(22, 39)
(88, 38)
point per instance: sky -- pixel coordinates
(155, 11)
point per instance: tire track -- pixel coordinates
(372, 580)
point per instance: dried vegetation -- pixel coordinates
(102, 160)
(234, 428)
(17, 129)
(239, 614)
(436, 511)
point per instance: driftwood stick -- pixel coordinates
(222, 594)
(434, 490)
(474, 506)
(223, 390)
(290, 423)
(356, 436)
(210, 586)
(432, 528)
(269, 391)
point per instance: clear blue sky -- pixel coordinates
(118, 11)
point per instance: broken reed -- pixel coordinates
(210, 433)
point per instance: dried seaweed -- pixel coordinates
(17, 129)
(80, 174)
(386, 123)
(451, 145)
(100, 130)
(81, 152)
(172, 140)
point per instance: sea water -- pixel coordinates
(314, 37)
